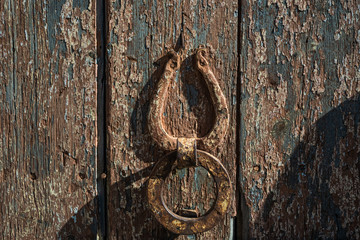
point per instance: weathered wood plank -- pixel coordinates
(300, 119)
(140, 34)
(48, 119)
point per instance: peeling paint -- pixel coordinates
(48, 120)
(154, 28)
(297, 91)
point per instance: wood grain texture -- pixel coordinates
(48, 119)
(300, 119)
(140, 33)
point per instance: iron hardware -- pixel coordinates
(184, 153)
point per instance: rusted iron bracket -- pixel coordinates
(184, 153)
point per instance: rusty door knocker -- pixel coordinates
(184, 152)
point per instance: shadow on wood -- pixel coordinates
(127, 208)
(318, 194)
(126, 217)
(316, 197)
(79, 223)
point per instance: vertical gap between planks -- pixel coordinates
(242, 218)
(101, 117)
(238, 225)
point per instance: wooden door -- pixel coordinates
(76, 81)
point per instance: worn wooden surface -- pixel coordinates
(300, 114)
(298, 130)
(139, 35)
(48, 119)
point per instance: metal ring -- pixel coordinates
(157, 104)
(184, 225)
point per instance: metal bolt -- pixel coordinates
(82, 175)
(33, 176)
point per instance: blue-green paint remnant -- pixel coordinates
(192, 96)
(48, 137)
(53, 18)
(82, 4)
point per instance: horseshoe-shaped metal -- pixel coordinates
(157, 105)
